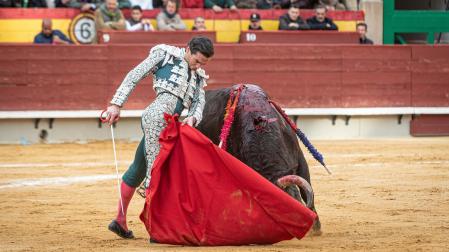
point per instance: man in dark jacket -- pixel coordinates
(320, 21)
(302, 4)
(50, 36)
(220, 5)
(292, 21)
(362, 29)
(10, 3)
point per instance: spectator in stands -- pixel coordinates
(246, 4)
(320, 21)
(362, 29)
(332, 5)
(168, 19)
(268, 4)
(292, 21)
(50, 36)
(109, 17)
(136, 23)
(254, 22)
(302, 4)
(37, 4)
(88, 5)
(199, 24)
(219, 5)
(157, 4)
(10, 3)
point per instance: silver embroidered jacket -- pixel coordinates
(170, 74)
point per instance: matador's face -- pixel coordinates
(195, 60)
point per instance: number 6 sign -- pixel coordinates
(82, 29)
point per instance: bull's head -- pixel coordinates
(261, 139)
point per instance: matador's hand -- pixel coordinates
(189, 121)
(113, 114)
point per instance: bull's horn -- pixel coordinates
(301, 183)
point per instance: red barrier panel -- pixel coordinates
(430, 75)
(430, 125)
(154, 37)
(376, 76)
(40, 77)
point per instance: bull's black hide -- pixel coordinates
(259, 136)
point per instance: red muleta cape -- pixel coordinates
(201, 195)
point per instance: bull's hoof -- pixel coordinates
(316, 229)
(316, 232)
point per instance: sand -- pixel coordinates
(384, 195)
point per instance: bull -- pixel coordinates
(262, 139)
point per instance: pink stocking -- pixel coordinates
(127, 193)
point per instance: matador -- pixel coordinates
(179, 82)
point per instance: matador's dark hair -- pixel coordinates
(203, 45)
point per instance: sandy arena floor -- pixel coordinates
(385, 195)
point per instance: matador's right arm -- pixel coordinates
(138, 73)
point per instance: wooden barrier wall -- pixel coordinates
(45, 77)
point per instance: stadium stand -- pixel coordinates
(332, 81)
(20, 25)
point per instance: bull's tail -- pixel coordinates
(315, 153)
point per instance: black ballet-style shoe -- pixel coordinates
(117, 229)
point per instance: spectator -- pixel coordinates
(199, 24)
(362, 29)
(332, 5)
(219, 5)
(246, 4)
(10, 3)
(268, 4)
(50, 36)
(88, 5)
(254, 22)
(320, 21)
(37, 4)
(136, 23)
(108, 17)
(168, 19)
(302, 4)
(292, 21)
(157, 4)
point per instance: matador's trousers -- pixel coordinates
(152, 125)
